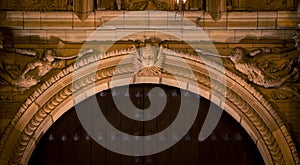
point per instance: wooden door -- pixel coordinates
(66, 142)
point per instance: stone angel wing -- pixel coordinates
(160, 57)
(137, 63)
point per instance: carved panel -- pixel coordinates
(36, 4)
(146, 5)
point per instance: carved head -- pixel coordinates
(49, 55)
(237, 54)
(148, 55)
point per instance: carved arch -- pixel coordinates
(54, 98)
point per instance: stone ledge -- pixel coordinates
(69, 20)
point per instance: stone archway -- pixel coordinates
(54, 98)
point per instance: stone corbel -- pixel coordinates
(216, 8)
(83, 8)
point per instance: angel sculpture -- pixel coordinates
(148, 60)
(35, 71)
(263, 72)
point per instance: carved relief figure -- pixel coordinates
(265, 72)
(35, 71)
(148, 59)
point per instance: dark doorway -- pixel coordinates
(66, 142)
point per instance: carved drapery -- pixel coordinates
(257, 116)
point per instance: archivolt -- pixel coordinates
(54, 98)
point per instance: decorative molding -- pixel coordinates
(263, 118)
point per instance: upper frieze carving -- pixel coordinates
(65, 5)
(269, 68)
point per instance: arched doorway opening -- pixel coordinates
(66, 142)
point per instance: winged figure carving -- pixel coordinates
(148, 60)
(279, 70)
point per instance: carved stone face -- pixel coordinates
(148, 56)
(237, 54)
(49, 55)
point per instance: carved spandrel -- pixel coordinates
(268, 68)
(17, 79)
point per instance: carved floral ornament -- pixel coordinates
(256, 115)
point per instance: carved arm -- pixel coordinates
(30, 67)
(263, 50)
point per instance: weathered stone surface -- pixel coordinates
(287, 20)
(222, 36)
(88, 23)
(242, 20)
(207, 22)
(242, 36)
(266, 20)
(56, 20)
(32, 20)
